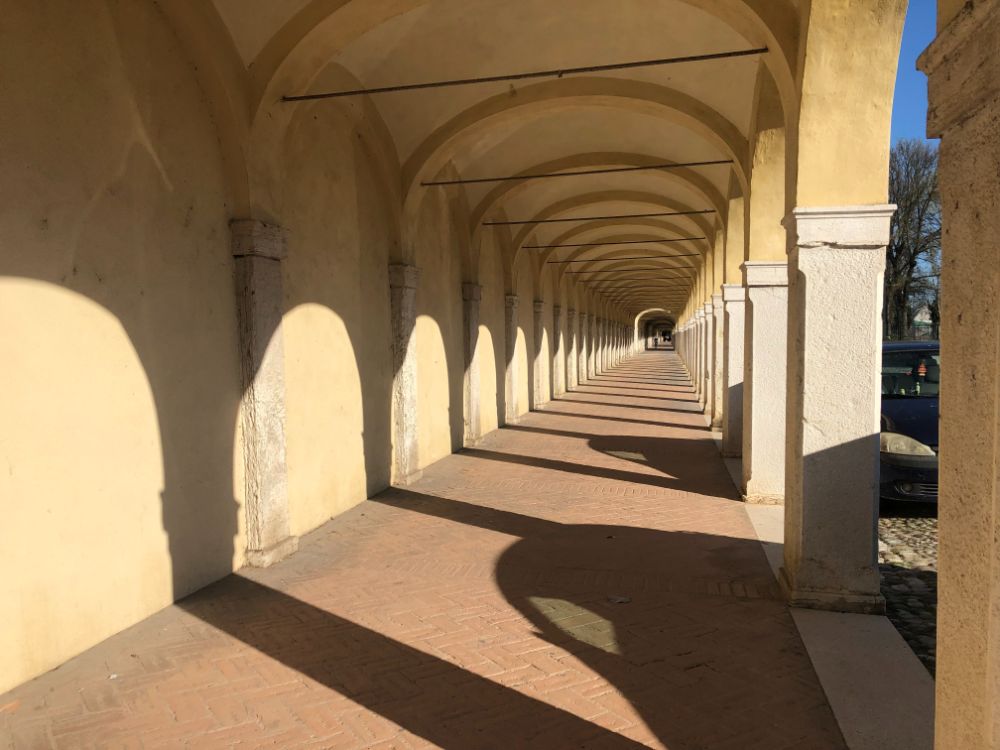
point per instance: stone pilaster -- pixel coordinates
(836, 271)
(699, 355)
(472, 294)
(734, 317)
(511, 376)
(571, 349)
(403, 281)
(708, 359)
(540, 391)
(583, 348)
(558, 354)
(764, 384)
(718, 323)
(963, 69)
(258, 250)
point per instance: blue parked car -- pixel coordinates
(911, 376)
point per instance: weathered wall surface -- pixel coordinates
(121, 379)
(439, 334)
(338, 365)
(490, 346)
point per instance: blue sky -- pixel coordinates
(909, 111)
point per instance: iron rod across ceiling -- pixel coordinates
(625, 270)
(554, 73)
(577, 172)
(627, 257)
(599, 218)
(602, 244)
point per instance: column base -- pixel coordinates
(412, 477)
(832, 601)
(759, 499)
(265, 558)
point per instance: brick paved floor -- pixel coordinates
(585, 578)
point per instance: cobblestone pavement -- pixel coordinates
(908, 561)
(584, 579)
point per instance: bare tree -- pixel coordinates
(913, 258)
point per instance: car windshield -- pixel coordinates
(911, 373)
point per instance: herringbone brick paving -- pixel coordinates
(585, 578)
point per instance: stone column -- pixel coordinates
(571, 349)
(734, 315)
(471, 296)
(699, 355)
(591, 344)
(836, 273)
(403, 280)
(511, 375)
(581, 371)
(539, 386)
(558, 354)
(718, 323)
(258, 250)
(708, 359)
(764, 381)
(963, 70)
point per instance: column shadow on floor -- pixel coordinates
(687, 627)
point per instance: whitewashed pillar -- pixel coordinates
(836, 272)
(765, 381)
(472, 294)
(734, 316)
(258, 250)
(718, 323)
(963, 70)
(403, 281)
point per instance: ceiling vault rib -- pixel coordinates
(555, 73)
(627, 257)
(577, 173)
(599, 218)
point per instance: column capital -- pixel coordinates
(734, 293)
(403, 276)
(510, 301)
(571, 313)
(708, 307)
(765, 273)
(471, 291)
(850, 227)
(699, 314)
(556, 311)
(962, 67)
(539, 306)
(258, 239)
(716, 301)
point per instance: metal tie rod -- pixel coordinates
(627, 257)
(577, 172)
(623, 270)
(599, 218)
(621, 242)
(554, 73)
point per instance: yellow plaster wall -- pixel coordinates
(524, 347)
(121, 377)
(846, 92)
(440, 356)
(490, 346)
(338, 364)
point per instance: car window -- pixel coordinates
(911, 373)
